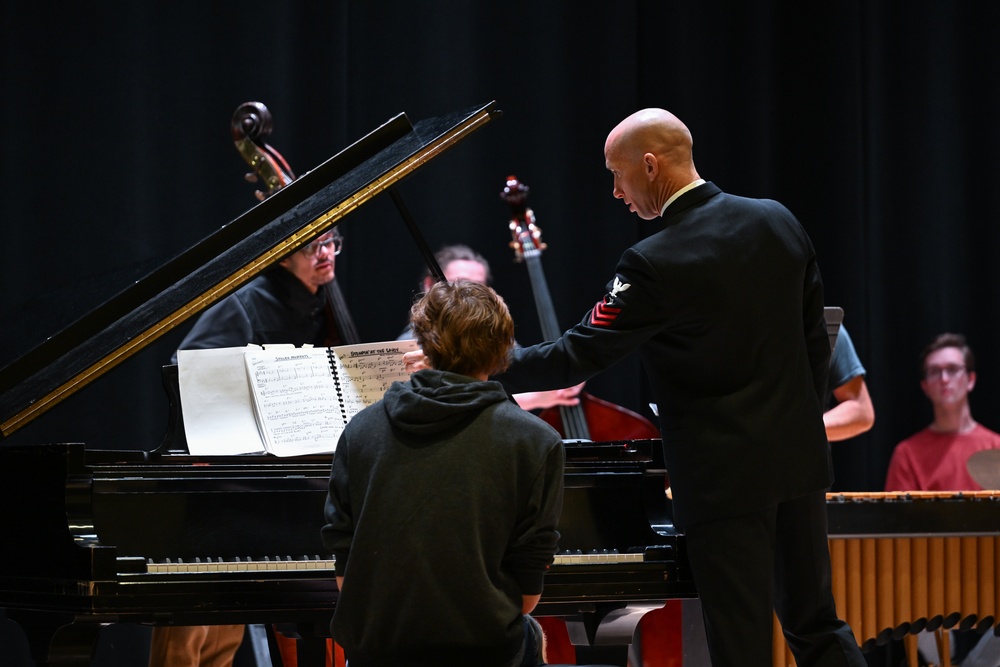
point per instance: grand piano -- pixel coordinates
(164, 537)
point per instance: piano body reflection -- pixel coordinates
(164, 537)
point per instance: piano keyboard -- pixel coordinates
(577, 558)
(289, 564)
(264, 564)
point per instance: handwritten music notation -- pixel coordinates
(365, 377)
(304, 397)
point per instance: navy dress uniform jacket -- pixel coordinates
(725, 306)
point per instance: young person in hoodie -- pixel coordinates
(444, 501)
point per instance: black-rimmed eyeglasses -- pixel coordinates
(938, 372)
(311, 249)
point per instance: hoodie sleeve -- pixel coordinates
(537, 538)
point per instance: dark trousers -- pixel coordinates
(777, 560)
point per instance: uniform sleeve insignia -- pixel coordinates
(619, 286)
(605, 313)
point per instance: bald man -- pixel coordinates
(724, 303)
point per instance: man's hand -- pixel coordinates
(533, 400)
(416, 361)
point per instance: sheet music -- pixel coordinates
(215, 395)
(367, 370)
(281, 399)
(295, 398)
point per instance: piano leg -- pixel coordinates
(604, 635)
(55, 639)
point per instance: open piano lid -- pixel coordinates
(224, 261)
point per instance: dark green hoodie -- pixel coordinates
(442, 512)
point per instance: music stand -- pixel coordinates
(833, 315)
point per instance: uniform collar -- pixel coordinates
(673, 198)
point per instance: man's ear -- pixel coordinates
(972, 380)
(652, 166)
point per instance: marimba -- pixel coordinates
(907, 562)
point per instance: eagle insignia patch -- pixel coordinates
(618, 286)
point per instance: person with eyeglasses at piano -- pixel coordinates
(444, 502)
(290, 302)
(935, 459)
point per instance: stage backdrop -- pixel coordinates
(875, 124)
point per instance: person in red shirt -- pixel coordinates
(934, 459)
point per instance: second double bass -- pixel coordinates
(593, 418)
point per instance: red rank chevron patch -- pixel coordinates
(603, 315)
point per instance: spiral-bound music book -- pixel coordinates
(283, 400)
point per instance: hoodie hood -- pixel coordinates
(435, 401)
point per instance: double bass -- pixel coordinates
(592, 418)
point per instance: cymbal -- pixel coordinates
(984, 467)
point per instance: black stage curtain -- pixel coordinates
(870, 121)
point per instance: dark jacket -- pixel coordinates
(442, 512)
(274, 307)
(725, 306)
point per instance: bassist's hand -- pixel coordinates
(539, 400)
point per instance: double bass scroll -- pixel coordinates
(593, 418)
(250, 126)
